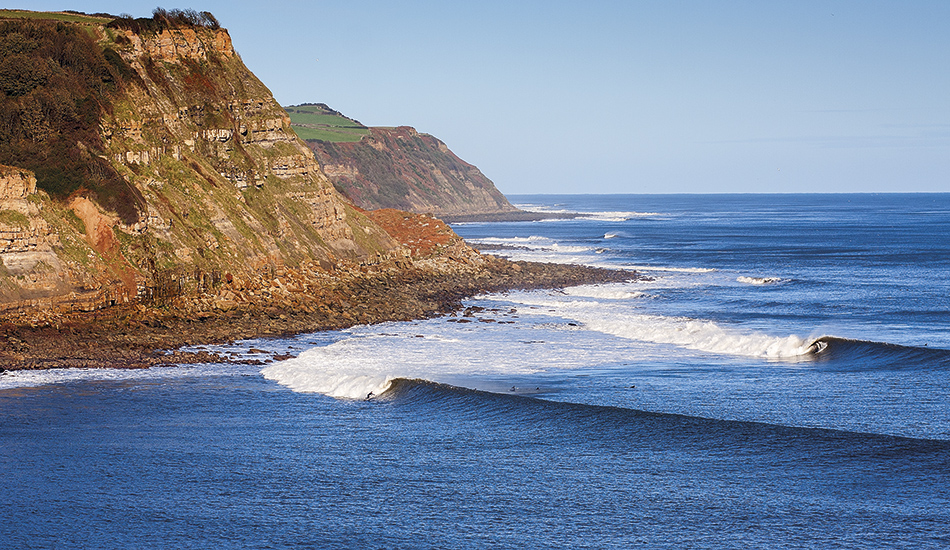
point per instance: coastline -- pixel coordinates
(293, 301)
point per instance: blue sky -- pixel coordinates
(623, 96)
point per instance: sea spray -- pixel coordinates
(518, 334)
(437, 350)
(607, 309)
(603, 216)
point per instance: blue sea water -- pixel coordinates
(777, 377)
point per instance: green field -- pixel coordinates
(312, 121)
(55, 16)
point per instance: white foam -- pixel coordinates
(543, 209)
(437, 350)
(590, 260)
(695, 334)
(514, 241)
(578, 327)
(605, 292)
(671, 269)
(374, 356)
(533, 243)
(608, 216)
(702, 335)
(759, 280)
(619, 216)
(542, 249)
(36, 378)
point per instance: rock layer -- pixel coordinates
(200, 173)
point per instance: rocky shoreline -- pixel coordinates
(288, 302)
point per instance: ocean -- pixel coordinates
(776, 376)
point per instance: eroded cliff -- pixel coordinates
(150, 161)
(397, 167)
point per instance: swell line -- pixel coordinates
(865, 354)
(611, 422)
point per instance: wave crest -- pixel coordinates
(302, 374)
(703, 336)
(864, 354)
(686, 332)
(606, 216)
(759, 280)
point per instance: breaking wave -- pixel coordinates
(671, 269)
(435, 350)
(695, 334)
(759, 280)
(39, 378)
(608, 216)
(531, 243)
(609, 292)
(367, 365)
(867, 355)
(524, 334)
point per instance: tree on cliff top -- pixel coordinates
(163, 19)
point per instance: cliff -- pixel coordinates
(396, 167)
(153, 195)
(143, 159)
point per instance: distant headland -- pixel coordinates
(399, 167)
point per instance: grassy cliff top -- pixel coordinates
(67, 16)
(318, 121)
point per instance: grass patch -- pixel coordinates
(317, 121)
(328, 134)
(75, 222)
(56, 16)
(12, 217)
(322, 119)
(71, 231)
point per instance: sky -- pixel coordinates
(666, 96)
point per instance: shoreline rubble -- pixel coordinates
(294, 301)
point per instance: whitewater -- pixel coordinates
(516, 334)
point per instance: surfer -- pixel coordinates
(369, 396)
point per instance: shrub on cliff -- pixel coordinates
(55, 84)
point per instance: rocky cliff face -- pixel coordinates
(204, 122)
(153, 195)
(190, 173)
(404, 169)
(30, 265)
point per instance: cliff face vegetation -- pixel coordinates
(143, 159)
(57, 84)
(396, 167)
